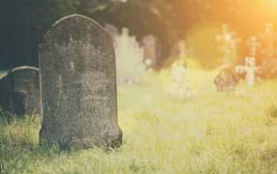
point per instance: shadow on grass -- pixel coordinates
(20, 148)
(19, 144)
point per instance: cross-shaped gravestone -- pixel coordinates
(78, 85)
(228, 42)
(253, 44)
(249, 69)
(268, 38)
(182, 49)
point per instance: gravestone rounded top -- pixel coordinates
(22, 68)
(78, 34)
(78, 84)
(77, 26)
(19, 70)
(76, 17)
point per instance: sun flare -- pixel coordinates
(272, 7)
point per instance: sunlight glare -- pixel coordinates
(272, 7)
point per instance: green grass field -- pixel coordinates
(209, 133)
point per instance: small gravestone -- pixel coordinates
(151, 51)
(249, 69)
(226, 80)
(179, 87)
(78, 85)
(19, 91)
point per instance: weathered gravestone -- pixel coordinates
(20, 92)
(78, 85)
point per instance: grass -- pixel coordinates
(209, 133)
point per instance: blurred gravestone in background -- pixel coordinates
(180, 87)
(152, 51)
(20, 92)
(78, 84)
(268, 43)
(226, 80)
(228, 48)
(112, 30)
(129, 58)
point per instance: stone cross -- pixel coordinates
(182, 49)
(20, 92)
(249, 69)
(253, 46)
(78, 85)
(268, 38)
(229, 44)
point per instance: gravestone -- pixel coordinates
(228, 48)
(129, 59)
(253, 45)
(226, 80)
(78, 85)
(180, 87)
(20, 92)
(249, 69)
(268, 43)
(151, 51)
(180, 49)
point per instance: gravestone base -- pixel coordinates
(107, 141)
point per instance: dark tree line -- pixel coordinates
(23, 22)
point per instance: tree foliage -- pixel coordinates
(23, 22)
